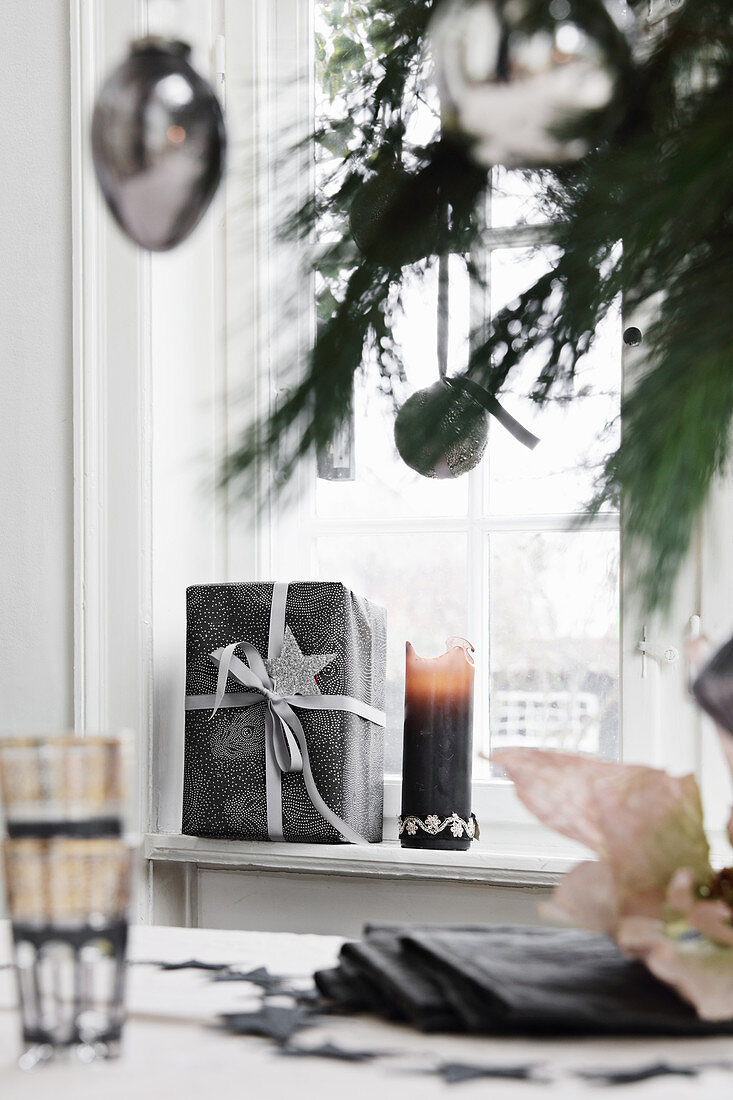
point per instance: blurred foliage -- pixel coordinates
(660, 180)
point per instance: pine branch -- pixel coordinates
(647, 216)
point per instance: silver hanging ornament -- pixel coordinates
(443, 431)
(158, 143)
(457, 437)
(513, 82)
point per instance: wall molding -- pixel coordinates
(146, 353)
(88, 351)
(112, 426)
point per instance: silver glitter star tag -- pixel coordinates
(292, 672)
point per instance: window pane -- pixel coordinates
(554, 641)
(384, 485)
(518, 198)
(422, 581)
(575, 436)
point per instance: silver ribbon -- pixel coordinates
(286, 747)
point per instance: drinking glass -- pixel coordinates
(68, 875)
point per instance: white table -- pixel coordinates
(172, 1051)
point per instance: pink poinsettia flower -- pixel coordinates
(698, 968)
(652, 887)
(642, 824)
(712, 917)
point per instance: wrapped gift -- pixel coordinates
(284, 713)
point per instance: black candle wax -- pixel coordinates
(437, 752)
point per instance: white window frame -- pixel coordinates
(652, 695)
(153, 375)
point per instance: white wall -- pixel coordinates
(36, 563)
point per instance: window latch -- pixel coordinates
(664, 654)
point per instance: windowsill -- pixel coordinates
(497, 862)
(526, 856)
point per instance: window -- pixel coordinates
(497, 555)
(174, 352)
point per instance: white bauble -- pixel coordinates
(509, 89)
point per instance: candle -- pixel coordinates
(436, 762)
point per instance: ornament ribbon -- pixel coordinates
(490, 403)
(460, 382)
(286, 747)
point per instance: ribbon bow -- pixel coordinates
(279, 715)
(286, 747)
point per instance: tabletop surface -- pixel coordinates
(172, 1046)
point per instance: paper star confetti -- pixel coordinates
(647, 1073)
(192, 964)
(270, 1021)
(261, 977)
(455, 1073)
(292, 672)
(331, 1050)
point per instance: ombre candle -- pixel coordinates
(437, 752)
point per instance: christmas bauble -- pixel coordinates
(158, 143)
(441, 431)
(392, 222)
(511, 76)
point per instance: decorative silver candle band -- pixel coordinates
(433, 825)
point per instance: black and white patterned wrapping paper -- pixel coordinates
(224, 771)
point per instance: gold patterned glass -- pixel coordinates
(68, 873)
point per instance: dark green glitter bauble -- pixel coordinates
(441, 431)
(391, 224)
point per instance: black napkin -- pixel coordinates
(347, 992)
(512, 980)
(553, 981)
(408, 990)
